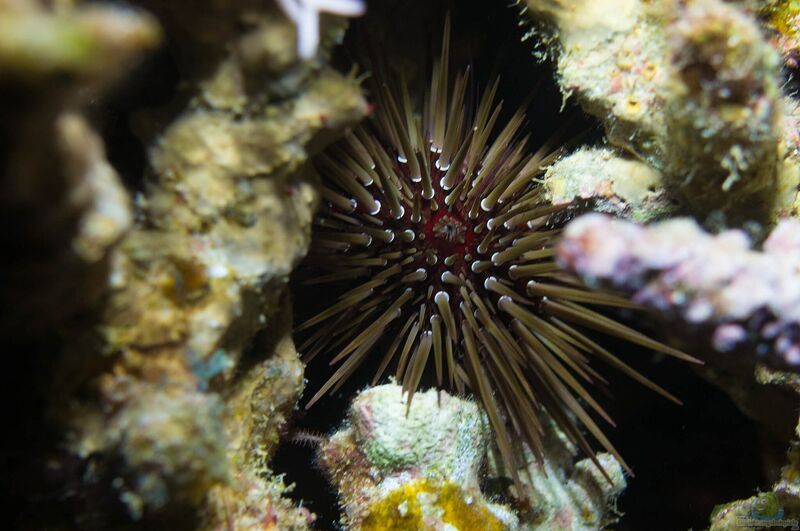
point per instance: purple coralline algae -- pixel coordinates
(715, 283)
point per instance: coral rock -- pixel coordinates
(746, 298)
(565, 492)
(613, 184)
(401, 467)
(690, 88)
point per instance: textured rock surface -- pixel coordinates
(715, 291)
(723, 112)
(396, 467)
(161, 399)
(614, 184)
(224, 220)
(692, 88)
(65, 203)
(566, 492)
(716, 284)
(393, 469)
(782, 16)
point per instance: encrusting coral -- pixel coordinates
(224, 220)
(401, 467)
(714, 290)
(65, 202)
(610, 183)
(692, 88)
(419, 467)
(156, 394)
(744, 300)
(570, 493)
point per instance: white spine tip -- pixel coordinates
(490, 224)
(474, 267)
(401, 159)
(485, 205)
(389, 236)
(376, 209)
(444, 184)
(441, 297)
(408, 235)
(447, 276)
(496, 259)
(401, 212)
(427, 194)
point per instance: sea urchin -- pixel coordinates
(439, 228)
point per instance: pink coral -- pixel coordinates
(747, 298)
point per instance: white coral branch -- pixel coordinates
(305, 15)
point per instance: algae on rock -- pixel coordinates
(612, 183)
(396, 465)
(163, 393)
(691, 88)
(401, 466)
(63, 205)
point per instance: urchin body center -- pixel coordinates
(450, 229)
(449, 237)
